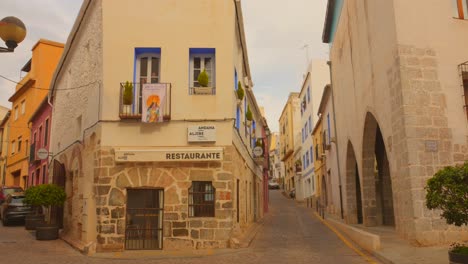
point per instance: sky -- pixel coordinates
(276, 33)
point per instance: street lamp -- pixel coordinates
(12, 31)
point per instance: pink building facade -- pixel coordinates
(40, 124)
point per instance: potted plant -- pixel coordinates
(447, 191)
(248, 116)
(32, 221)
(47, 195)
(127, 98)
(203, 81)
(240, 93)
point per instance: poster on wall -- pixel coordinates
(153, 102)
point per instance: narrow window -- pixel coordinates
(238, 117)
(311, 155)
(13, 147)
(202, 199)
(39, 138)
(23, 107)
(460, 9)
(310, 124)
(463, 70)
(26, 146)
(308, 94)
(43, 174)
(19, 144)
(16, 112)
(46, 132)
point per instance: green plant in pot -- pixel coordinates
(127, 98)
(248, 116)
(203, 80)
(47, 195)
(447, 191)
(31, 198)
(240, 93)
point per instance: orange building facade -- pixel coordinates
(29, 93)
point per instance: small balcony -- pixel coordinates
(149, 103)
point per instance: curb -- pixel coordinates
(365, 254)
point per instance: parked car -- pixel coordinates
(5, 190)
(273, 185)
(13, 209)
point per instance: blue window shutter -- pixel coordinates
(235, 80)
(237, 118)
(310, 124)
(308, 94)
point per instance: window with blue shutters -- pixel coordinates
(310, 124)
(238, 117)
(308, 94)
(307, 159)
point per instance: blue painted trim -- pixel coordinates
(237, 117)
(235, 80)
(202, 51)
(139, 51)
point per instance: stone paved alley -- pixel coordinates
(291, 234)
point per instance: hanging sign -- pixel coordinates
(153, 102)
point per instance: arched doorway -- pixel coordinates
(376, 183)
(353, 188)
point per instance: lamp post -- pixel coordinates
(12, 31)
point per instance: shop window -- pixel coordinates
(202, 199)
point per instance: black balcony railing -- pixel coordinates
(137, 106)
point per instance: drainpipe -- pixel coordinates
(336, 138)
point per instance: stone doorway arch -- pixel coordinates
(353, 188)
(376, 179)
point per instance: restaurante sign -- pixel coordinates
(174, 154)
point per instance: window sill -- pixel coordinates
(202, 90)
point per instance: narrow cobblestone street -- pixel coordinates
(290, 234)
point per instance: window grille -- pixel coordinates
(202, 199)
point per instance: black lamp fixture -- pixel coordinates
(12, 31)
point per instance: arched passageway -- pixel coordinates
(376, 180)
(353, 188)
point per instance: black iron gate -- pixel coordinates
(144, 219)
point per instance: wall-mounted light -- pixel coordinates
(12, 31)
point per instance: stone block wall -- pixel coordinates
(422, 142)
(179, 230)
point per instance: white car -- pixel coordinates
(273, 185)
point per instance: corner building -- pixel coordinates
(149, 157)
(399, 80)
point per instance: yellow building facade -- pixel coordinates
(319, 164)
(289, 127)
(29, 93)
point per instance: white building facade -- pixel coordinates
(316, 78)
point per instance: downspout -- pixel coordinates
(336, 138)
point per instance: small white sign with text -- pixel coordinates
(204, 133)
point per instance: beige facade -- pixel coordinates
(111, 157)
(289, 122)
(400, 110)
